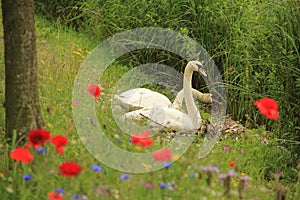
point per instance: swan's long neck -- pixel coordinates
(203, 97)
(188, 95)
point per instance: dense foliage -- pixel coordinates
(254, 43)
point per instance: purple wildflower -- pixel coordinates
(278, 174)
(59, 190)
(231, 173)
(209, 172)
(243, 184)
(210, 169)
(84, 197)
(41, 150)
(125, 176)
(226, 180)
(226, 148)
(213, 169)
(27, 177)
(76, 196)
(148, 185)
(96, 168)
(245, 178)
(192, 175)
(163, 185)
(167, 165)
(223, 176)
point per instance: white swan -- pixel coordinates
(139, 98)
(171, 117)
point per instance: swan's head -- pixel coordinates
(197, 66)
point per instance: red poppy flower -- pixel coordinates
(21, 154)
(146, 142)
(38, 137)
(231, 163)
(163, 155)
(142, 139)
(74, 103)
(268, 107)
(59, 141)
(69, 168)
(94, 90)
(54, 196)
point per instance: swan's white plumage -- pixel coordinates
(160, 116)
(160, 113)
(138, 98)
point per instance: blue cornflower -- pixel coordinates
(163, 185)
(96, 168)
(192, 175)
(27, 177)
(125, 176)
(119, 141)
(167, 165)
(59, 190)
(76, 196)
(41, 150)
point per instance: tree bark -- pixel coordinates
(22, 107)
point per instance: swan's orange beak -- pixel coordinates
(201, 70)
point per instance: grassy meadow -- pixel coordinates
(264, 158)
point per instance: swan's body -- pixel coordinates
(162, 116)
(139, 98)
(166, 116)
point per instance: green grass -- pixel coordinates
(254, 44)
(58, 63)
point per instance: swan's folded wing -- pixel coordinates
(123, 102)
(138, 98)
(138, 115)
(170, 118)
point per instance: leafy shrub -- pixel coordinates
(65, 12)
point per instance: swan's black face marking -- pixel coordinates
(201, 69)
(199, 65)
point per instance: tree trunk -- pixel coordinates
(21, 90)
